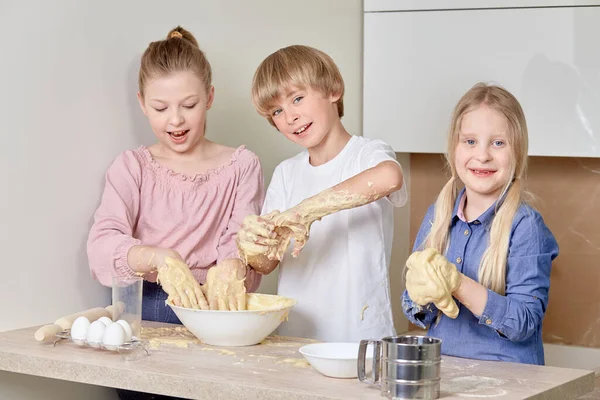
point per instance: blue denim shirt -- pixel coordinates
(510, 328)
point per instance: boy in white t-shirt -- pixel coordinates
(347, 185)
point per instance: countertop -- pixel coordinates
(272, 370)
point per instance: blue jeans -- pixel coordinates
(154, 307)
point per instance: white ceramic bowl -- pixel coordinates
(237, 328)
(336, 360)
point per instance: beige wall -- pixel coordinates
(68, 108)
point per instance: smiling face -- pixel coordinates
(305, 116)
(176, 107)
(483, 153)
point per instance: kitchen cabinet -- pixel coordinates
(418, 63)
(416, 5)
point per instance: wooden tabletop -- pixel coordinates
(272, 370)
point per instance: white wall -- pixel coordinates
(68, 107)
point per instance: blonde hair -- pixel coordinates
(178, 52)
(492, 269)
(300, 66)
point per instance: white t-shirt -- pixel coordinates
(343, 268)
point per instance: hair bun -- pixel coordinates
(180, 33)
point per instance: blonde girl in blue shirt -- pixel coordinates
(480, 274)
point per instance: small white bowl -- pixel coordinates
(237, 328)
(336, 360)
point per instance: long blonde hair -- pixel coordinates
(492, 269)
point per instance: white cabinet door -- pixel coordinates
(403, 5)
(418, 64)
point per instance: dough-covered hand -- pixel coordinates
(257, 236)
(291, 224)
(259, 243)
(295, 223)
(225, 287)
(431, 278)
(178, 282)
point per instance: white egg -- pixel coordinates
(114, 336)
(79, 330)
(126, 328)
(106, 321)
(95, 334)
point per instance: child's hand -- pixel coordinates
(225, 287)
(258, 238)
(256, 235)
(292, 224)
(431, 278)
(178, 282)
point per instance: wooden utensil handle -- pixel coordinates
(47, 333)
(111, 311)
(92, 314)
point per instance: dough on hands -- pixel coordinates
(290, 225)
(178, 282)
(287, 225)
(431, 278)
(258, 242)
(295, 222)
(255, 238)
(225, 286)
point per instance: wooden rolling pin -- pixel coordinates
(47, 333)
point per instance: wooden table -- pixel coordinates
(272, 370)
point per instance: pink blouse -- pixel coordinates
(198, 216)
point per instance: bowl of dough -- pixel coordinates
(248, 327)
